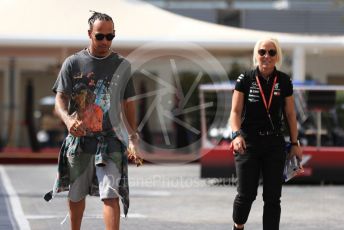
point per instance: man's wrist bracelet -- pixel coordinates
(133, 136)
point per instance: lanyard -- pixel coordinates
(267, 106)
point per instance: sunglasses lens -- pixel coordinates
(99, 37)
(272, 53)
(109, 37)
(261, 52)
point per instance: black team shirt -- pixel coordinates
(254, 115)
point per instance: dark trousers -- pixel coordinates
(264, 155)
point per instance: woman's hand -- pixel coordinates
(239, 145)
(296, 150)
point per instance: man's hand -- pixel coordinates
(73, 124)
(133, 154)
(75, 127)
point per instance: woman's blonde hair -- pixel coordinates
(278, 49)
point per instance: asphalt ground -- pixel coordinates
(162, 197)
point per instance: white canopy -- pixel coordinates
(56, 23)
(45, 28)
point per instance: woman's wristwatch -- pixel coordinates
(297, 143)
(235, 134)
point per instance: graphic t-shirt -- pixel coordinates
(90, 81)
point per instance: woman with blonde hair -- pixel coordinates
(262, 97)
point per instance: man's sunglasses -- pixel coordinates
(271, 52)
(100, 37)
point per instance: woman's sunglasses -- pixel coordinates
(271, 52)
(100, 37)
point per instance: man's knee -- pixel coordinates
(111, 201)
(76, 204)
